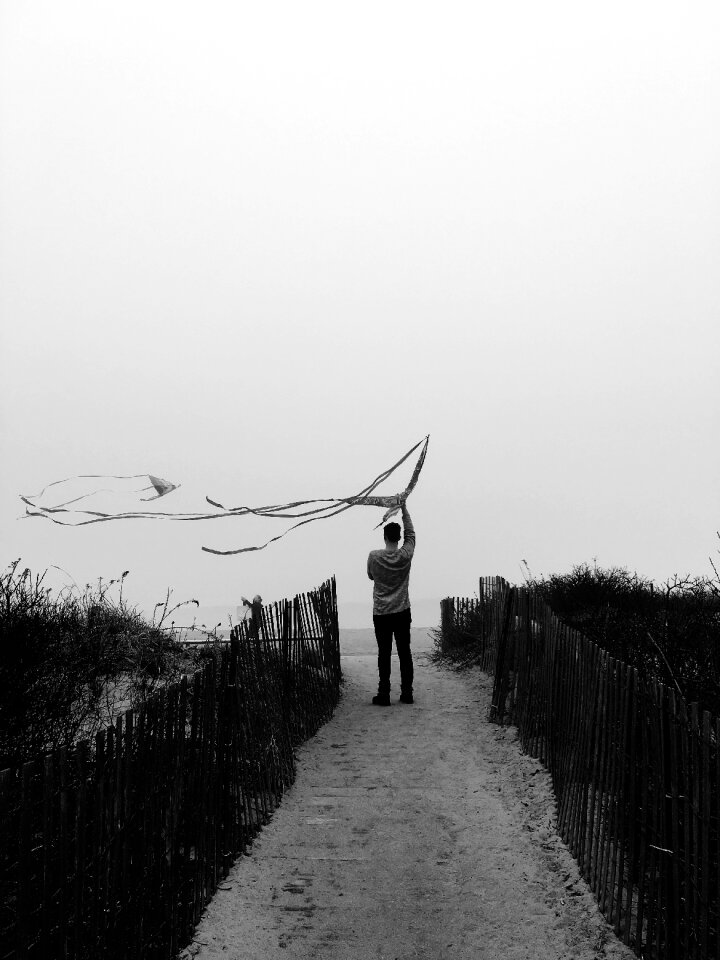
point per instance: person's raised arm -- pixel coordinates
(409, 529)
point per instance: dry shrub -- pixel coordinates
(69, 661)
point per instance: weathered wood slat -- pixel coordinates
(674, 901)
(695, 752)
(614, 880)
(716, 846)
(656, 853)
(706, 808)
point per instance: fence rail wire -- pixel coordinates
(635, 769)
(113, 849)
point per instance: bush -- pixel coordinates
(69, 663)
(459, 641)
(670, 633)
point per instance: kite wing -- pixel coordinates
(112, 484)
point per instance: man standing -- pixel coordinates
(390, 570)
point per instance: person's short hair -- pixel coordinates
(392, 532)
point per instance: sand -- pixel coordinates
(411, 831)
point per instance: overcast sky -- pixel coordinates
(262, 249)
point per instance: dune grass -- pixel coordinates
(71, 660)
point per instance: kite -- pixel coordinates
(67, 513)
(160, 486)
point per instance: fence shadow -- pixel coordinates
(112, 849)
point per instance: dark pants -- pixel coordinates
(387, 625)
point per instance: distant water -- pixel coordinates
(353, 615)
(361, 642)
(354, 641)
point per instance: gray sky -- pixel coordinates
(263, 249)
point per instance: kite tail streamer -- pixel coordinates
(364, 498)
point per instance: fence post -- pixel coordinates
(446, 620)
(500, 687)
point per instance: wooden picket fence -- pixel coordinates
(113, 849)
(471, 627)
(635, 770)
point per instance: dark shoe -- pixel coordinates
(406, 698)
(382, 700)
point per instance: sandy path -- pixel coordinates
(411, 831)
